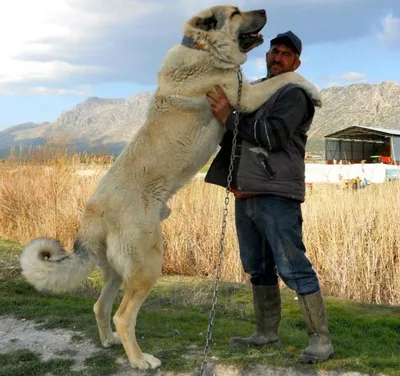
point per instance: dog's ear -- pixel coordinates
(206, 24)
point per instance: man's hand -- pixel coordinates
(219, 104)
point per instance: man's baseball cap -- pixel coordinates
(288, 39)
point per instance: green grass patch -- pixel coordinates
(173, 321)
(9, 259)
(27, 363)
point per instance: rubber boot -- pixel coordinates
(320, 348)
(267, 312)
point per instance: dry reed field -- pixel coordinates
(352, 238)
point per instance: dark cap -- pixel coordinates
(288, 39)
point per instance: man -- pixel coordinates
(269, 187)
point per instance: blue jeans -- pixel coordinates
(269, 230)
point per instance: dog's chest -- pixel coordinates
(208, 138)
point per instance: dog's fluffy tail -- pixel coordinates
(47, 266)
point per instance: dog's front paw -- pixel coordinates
(314, 93)
(317, 100)
(310, 88)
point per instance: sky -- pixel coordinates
(55, 54)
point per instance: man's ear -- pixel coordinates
(296, 64)
(206, 24)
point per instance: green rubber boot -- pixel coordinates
(267, 312)
(320, 348)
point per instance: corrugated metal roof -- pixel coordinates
(392, 132)
(362, 132)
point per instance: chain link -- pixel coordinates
(214, 299)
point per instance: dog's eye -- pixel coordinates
(234, 13)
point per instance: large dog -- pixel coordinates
(120, 229)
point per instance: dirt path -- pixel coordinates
(58, 343)
(51, 344)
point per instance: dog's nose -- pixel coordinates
(262, 12)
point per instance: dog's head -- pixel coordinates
(227, 32)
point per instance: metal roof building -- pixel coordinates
(359, 143)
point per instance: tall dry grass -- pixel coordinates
(353, 238)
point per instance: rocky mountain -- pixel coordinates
(97, 125)
(106, 125)
(358, 104)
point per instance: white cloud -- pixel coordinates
(390, 33)
(40, 39)
(260, 64)
(333, 84)
(15, 71)
(353, 76)
(21, 24)
(49, 91)
(254, 78)
(64, 44)
(345, 78)
(42, 90)
(350, 77)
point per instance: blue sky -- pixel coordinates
(55, 54)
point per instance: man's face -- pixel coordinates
(281, 59)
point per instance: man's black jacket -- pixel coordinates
(270, 147)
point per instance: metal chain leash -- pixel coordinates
(223, 232)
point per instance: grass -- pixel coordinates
(173, 321)
(352, 238)
(29, 363)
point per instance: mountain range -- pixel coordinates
(105, 126)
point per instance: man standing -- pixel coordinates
(269, 187)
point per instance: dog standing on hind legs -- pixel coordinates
(120, 229)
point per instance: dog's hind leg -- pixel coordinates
(145, 271)
(103, 306)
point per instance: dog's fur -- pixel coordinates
(120, 229)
